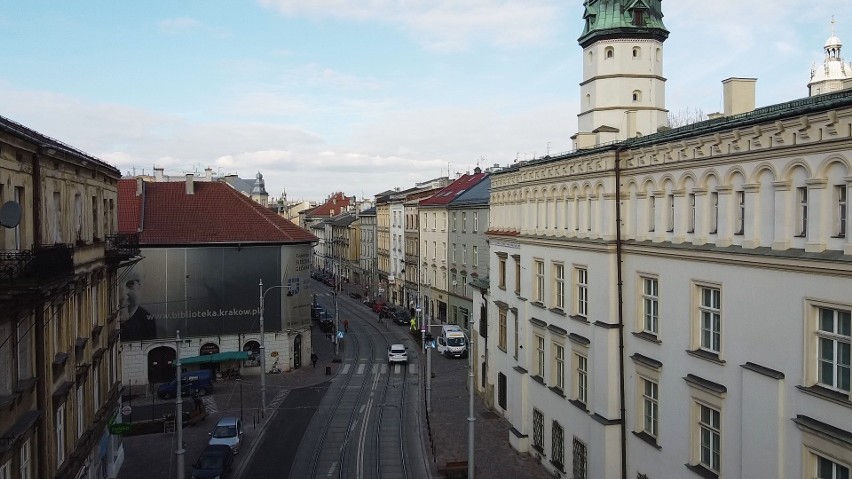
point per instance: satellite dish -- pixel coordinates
(10, 214)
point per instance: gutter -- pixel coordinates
(620, 287)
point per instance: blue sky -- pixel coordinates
(360, 96)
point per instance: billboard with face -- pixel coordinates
(209, 291)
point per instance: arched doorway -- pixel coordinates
(161, 367)
(253, 349)
(208, 348)
(297, 351)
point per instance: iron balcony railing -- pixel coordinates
(42, 264)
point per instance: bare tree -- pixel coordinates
(686, 116)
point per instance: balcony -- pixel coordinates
(122, 246)
(33, 267)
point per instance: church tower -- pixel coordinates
(834, 72)
(622, 94)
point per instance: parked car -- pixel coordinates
(397, 353)
(214, 462)
(193, 382)
(228, 432)
(316, 312)
(326, 321)
(400, 316)
(354, 295)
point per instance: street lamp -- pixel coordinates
(240, 382)
(263, 350)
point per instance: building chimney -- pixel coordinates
(208, 173)
(139, 186)
(738, 95)
(158, 173)
(190, 184)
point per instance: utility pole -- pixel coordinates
(262, 358)
(471, 417)
(179, 452)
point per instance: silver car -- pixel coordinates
(228, 432)
(397, 353)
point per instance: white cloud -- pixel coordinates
(443, 24)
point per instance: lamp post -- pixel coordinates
(180, 451)
(471, 417)
(240, 382)
(263, 350)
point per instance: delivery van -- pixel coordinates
(192, 382)
(452, 341)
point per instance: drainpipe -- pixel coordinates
(620, 287)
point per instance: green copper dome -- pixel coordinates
(609, 19)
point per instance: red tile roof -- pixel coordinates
(332, 206)
(215, 213)
(451, 191)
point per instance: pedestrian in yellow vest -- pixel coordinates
(413, 323)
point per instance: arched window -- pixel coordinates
(591, 56)
(637, 96)
(609, 52)
(588, 99)
(659, 55)
(637, 52)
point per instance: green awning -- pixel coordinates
(216, 358)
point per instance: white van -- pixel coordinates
(452, 342)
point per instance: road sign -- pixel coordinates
(126, 410)
(119, 428)
(340, 334)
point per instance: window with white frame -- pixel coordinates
(444, 251)
(515, 341)
(80, 403)
(834, 338)
(6, 470)
(538, 291)
(538, 430)
(828, 468)
(464, 222)
(580, 456)
(517, 274)
(739, 228)
(454, 253)
(434, 221)
(581, 378)
(539, 356)
(557, 444)
(589, 213)
(475, 256)
(652, 207)
(671, 222)
(25, 460)
(650, 406)
(559, 285)
(714, 213)
(475, 221)
(434, 250)
(454, 220)
(840, 211)
(690, 227)
(650, 305)
(559, 366)
(501, 273)
(709, 437)
(501, 331)
(464, 254)
(582, 292)
(802, 211)
(710, 318)
(60, 434)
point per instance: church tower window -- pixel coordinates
(639, 17)
(609, 52)
(637, 52)
(637, 96)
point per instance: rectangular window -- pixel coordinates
(714, 213)
(578, 469)
(454, 220)
(538, 293)
(538, 430)
(501, 273)
(650, 305)
(690, 228)
(6, 470)
(710, 437)
(834, 337)
(501, 333)
(25, 369)
(517, 275)
(475, 221)
(434, 221)
(711, 319)
(840, 215)
(464, 318)
(81, 418)
(740, 226)
(464, 254)
(19, 198)
(475, 256)
(539, 356)
(582, 378)
(60, 435)
(828, 469)
(652, 207)
(464, 222)
(671, 214)
(650, 407)
(515, 341)
(25, 463)
(589, 214)
(501, 390)
(582, 292)
(559, 285)
(434, 250)
(454, 253)
(559, 366)
(557, 446)
(802, 211)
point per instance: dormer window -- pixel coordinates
(639, 17)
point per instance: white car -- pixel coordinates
(397, 353)
(228, 432)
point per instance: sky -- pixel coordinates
(361, 96)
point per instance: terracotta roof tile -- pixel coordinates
(451, 191)
(214, 213)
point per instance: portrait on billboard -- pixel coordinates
(136, 321)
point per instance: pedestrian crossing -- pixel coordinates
(382, 368)
(210, 404)
(279, 398)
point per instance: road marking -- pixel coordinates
(412, 369)
(375, 368)
(361, 368)
(397, 368)
(331, 469)
(384, 368)
(345, 369)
